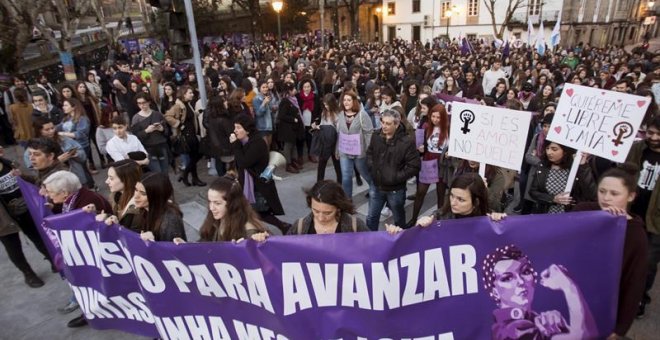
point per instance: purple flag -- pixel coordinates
(465, 47)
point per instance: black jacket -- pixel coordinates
(584, 188)
(253, 157)
(392, 162)
(218, 130)
(290, 127)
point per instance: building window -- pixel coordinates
(473, 8)
(444, 7)
(391, 8)
(534, 7)
(471, 36)
(416, 6)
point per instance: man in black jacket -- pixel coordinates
(392, 160)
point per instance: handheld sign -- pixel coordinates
(488, 135)
(599, 122)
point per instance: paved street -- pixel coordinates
(31, 313)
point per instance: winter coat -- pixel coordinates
(392, 161)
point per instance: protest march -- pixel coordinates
(312, 189)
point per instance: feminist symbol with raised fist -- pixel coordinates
(467, 117)
(621, 130)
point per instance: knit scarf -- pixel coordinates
(540, 140)
(307, 101)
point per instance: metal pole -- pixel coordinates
(197, 59)
(448, 18)
(279, 32)
(322, 10)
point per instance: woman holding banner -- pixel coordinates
(158, 216)
(230, 216)
(616, 189)
(123, 177)
(495, 182)
(550, 178)
(468, 197)
(331, 212)
(432, 151)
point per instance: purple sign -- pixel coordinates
(429, 172)
(419, 137)
(447, 281)
(349, 144)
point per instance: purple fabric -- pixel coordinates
(371, 285)
(248, 181)
(38, 210)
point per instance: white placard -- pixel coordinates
(599, 122)
(488, 134)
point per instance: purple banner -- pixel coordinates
(38, 210)
(460, 279)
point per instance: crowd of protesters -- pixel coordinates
(141, 118)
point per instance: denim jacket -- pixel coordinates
(263, 115)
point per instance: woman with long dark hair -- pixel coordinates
(550, 178)
(219, 125)
(325, 137)
(76, 125)
(185, 130)
(310, 108)
(159, 217)
(230, 216)
(93, 112)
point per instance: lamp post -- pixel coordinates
(277, 7)
(379, 15)
(448, 15)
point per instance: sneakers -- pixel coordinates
(70, 307)
(386, 212)
(32, 280)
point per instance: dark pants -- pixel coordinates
(654, 259)
(28, 227)
(7, 131)
(396, 201)
(320, 172)
(191, 167)
(12, 244)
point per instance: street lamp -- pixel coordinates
(277, 7)
(379, 15)
(448, 15)
(451, 11)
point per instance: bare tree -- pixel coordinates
(254, 8)
(68, 17)
(18, 21)
(511, 8)
(353, 7)
(112, 34)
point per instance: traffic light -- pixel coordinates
(177, 27)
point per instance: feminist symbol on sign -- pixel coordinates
(467, 117)
(621, 130)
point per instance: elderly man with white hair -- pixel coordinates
(64, 189)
